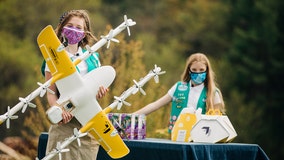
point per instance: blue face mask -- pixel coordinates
(197, 78)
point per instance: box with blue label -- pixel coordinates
(129, 126)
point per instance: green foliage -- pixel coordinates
(255, 56)
(18, 65)
(42, 125)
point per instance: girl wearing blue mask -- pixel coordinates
(74, 32)
(197, 89)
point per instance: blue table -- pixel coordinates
(161, 149)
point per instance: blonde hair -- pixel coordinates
(209, 82)
(64, 19)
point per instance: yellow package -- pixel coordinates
(183, 125)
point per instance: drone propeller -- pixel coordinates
(120, 102)
(128, 24)
(27, 103)
(60, 150)
(89, 49)
(138, 88)
(44, 89)
(109, 38)
(9, 117)
(157, 72)
(78, 135)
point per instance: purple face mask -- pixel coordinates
(73, 34)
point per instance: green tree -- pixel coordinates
(18, 65)
(243, 39)
(254, 63)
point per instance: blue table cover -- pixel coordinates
(162, 149)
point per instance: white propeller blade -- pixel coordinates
(119, 105)
(44, 89)
(121, 102)
(138, 88)
(109, 38)
(128, 23)
(9, 117)
(60, 150)
(157, 72)
(27, 103)
(78, 135)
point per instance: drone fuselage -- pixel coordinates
(81, 92)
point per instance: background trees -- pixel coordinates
(243, 39)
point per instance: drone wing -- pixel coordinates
(54, 54)
(104, 132)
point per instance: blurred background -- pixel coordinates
(243, 40)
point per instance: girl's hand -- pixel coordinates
(102, 92)
(66, 117)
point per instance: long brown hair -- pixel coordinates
(209, 82)
(89, 38)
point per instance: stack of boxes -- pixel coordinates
(129, 126)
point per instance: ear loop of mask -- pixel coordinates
(65, 40)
